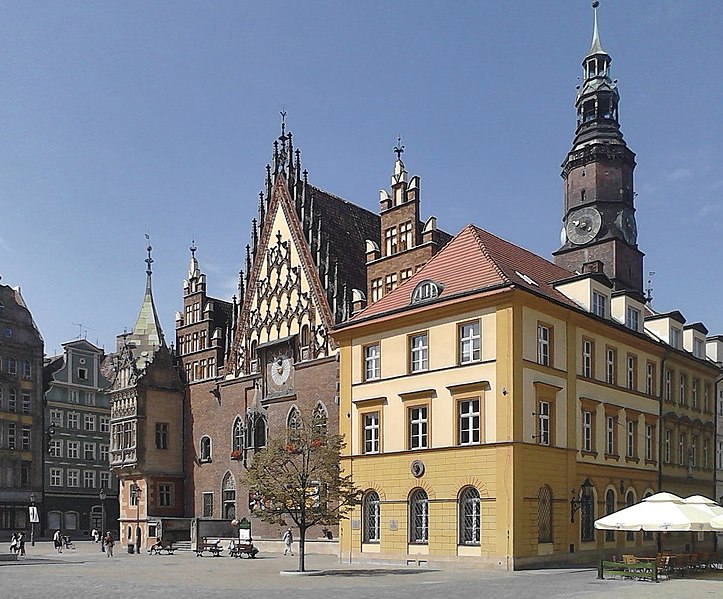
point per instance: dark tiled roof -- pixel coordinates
(476, 260)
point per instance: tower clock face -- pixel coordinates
(583, 225)
(280, 368)
(625, 221)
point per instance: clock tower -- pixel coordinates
(599, 213)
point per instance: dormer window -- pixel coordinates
(426, 290)
(599, 304)
(632, 319)
(675, 337)
(698, 347)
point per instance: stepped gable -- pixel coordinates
(476, 261)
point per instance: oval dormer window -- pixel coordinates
(426, 290)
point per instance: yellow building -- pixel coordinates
(494, 397)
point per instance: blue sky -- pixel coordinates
(121, 118)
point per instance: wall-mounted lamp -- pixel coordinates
(576, 502)
(504, 390)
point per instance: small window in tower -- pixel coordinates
(588, 111)
(582, 195)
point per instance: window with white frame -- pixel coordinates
(205, 449)
(418, 353)
(12, 400)
(73, 478)
(706, 450)
(543, 422)
(405, 236)
(470, 517)
(89, 422)
(675, 337)
(26, 438)
(418, 517)
(390, 282)
(89, 451)
(104, 424)
(649, 441)
(610, 435)
(73, 396)
(469, 421)
(668, 385)
(11, 435)
(694, 394)
(371, 432)
(89, 398)
(544, 345)
(693, 452)
(417, 427)
(73, 449)
(650, 378)
(25, 402)
(698, 347)
(681, 449)
(165, 495)
(683, 394)
(632, 437)
(56, 448)
(632, 318)
(667, 442)
(599, 304)
(610, 363)
(89, 479)
(372, 362)
(587, 358)
(469, 342)
(27, 370)
(587, 430)
(632, 372)
(105, 480)
(376, 290)
(372, 520)
(56, 477)
(104, 452)
(390, 237)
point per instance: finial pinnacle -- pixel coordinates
(283, 122)
(149, 260)
(399, 148)
(193, 247)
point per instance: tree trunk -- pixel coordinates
(302, 544)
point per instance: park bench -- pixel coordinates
(158, 548)
(212, 546)
(237, 549)
(630, 567)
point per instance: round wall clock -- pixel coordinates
(280, 369)
(583, 225)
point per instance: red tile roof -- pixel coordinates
(476, 260)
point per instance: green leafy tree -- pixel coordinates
(297, 476)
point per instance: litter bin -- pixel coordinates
(131, 548)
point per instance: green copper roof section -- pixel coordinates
(596, 46)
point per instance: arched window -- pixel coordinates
(587, 516)
(253, 358)
(293, 424)
(371, 517)
(228, 494)
(321, 419)
(71, 521)
(255, 430)
(12, 366)
(205, 449)
(629, 500)
(426, 290)
(304, 353)
(54, 520)
(418, 517)
(469, 516)
(27, 369)
(237, 435)
(609, 509)
(544, 515)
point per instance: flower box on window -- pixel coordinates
(236, 454)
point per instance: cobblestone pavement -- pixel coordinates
(88, 573)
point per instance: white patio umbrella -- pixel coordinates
(709, 506)
(659, 512)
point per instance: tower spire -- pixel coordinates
(147, 334)
(596, 46)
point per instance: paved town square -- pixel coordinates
(87, 572)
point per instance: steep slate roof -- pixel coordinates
(347, 227)
(476, 261)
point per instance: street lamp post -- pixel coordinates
(101, 496)
(136, 496)
(32, 519)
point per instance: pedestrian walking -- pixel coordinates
(95, 534)
(21, 543)
(14, 542)
(58, 541)
(108, 542)
(288, 539)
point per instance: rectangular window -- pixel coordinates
(105, 480)
(73, 450)
(610, 435)
(683, 392)
(418, 427)
(650, 378)
(13, 401)
(164, 495)
(11, 435)
(632, 319)
(418, 353)
(26, 438)
(376, 290)
(587, 431)
(56, 417)
(632, 372)
(104, 424)
(73, 396)
(89, 422)
(404, 274)
(390, 282)
(73, 478)
(89, 479)
(73, 420)
(649, 442)
(668, 385)
(611, 356)
(675, 337)
(706, 398)
(83, 374)
(26, 402)
(706, 450)
(544, 422)
(698, 348)
(390, 237)
(694, 394)
(632, 438)
(544, 345)
(469, 421)
(372, 362)
(89, 451)
(104, 451)
(161, 435)
(693, 458)
(469, 342)
(371, 432)
(405, 236)
(56, 477)
(599, 307)
(587, 358)
(208, 505)
(681, 449)
(56, 448)
(89, 398)
(196, 312)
